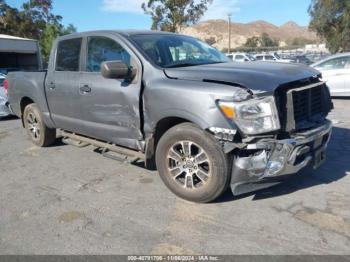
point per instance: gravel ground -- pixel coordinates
(68, 200)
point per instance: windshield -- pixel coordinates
(178, 51)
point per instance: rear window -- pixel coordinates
(68, 55)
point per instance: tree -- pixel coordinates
(267, 41)
(50, 33)
(261, 41)
(210, 41)
(330, 19)
(34, 20)
(172, 15)
(252, 42)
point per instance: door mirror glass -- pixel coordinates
(117, 70)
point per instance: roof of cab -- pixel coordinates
(125, 33)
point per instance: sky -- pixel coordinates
(127, 14)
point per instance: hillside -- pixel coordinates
(217, 32)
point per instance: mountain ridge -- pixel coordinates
(216, 32)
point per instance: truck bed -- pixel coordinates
(29, 84)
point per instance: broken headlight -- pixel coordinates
(255, 116)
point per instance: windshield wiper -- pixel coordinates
(181, 65)
(191, 64)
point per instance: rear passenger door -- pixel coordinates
(62, 85)
(110, 107)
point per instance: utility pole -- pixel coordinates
(229, 33)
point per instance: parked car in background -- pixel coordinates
(4, 109)
(316, 57)
(301, 59)
(241, 57)
(272, 58)
(336, 71)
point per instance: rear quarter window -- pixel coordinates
(68, 55)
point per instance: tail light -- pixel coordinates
(6, 86)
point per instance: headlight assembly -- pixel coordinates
(255, 116)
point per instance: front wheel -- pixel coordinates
(36, 129)
(192, 163)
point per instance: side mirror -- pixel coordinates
(117, 70)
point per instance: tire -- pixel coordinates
(36, 129)
(199, 176)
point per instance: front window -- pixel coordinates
(102, 49)
(177, 51)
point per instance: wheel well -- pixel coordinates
(165, 124)
(24, 102)
(162, 126)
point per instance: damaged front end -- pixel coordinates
(280, 133)
(264, 163)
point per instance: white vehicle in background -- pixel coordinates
(272, 58)
(241, 57)
(4, 110)
(336, 71)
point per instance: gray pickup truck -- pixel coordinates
(179, 105)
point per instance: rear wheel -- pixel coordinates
(36, 129)
(192, 164)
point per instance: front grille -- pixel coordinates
(307, 104)
(303, 106)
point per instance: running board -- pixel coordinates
(121, 154)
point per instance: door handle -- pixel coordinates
(85, 88)
(52, 85)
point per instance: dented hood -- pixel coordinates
(262, 76)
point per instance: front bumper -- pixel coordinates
(266, 162)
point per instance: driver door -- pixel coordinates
(110, 106)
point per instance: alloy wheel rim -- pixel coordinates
(189, 164)
(33, 126)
